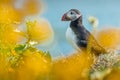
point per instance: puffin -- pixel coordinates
(79, 36)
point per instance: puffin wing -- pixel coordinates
(94, 46)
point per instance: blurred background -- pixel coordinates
(107, 12)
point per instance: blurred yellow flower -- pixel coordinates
(35, 65)
(8, 35)
(94, 21)
(32, 7)
(75, 67)
(6, 1)
(113, 75)
(39, 31)
(8, 14)
(21, 61)
(109, 38)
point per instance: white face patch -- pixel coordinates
(73, 15)
(77, 16)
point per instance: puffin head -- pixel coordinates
(71, 15)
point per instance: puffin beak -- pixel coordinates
(64, 17)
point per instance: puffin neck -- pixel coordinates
(77, 22)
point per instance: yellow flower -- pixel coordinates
(39, 31)
(75, 67)
(35, 65)
(8, 14)
(113, 75)
(8, 35)
(94, 21)
(6, 1)
(109, 38)
(31, 7)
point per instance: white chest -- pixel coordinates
(71, 37)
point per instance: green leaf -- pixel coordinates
(20, 48)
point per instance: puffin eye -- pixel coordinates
(71, 13)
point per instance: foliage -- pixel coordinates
(21, 60)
